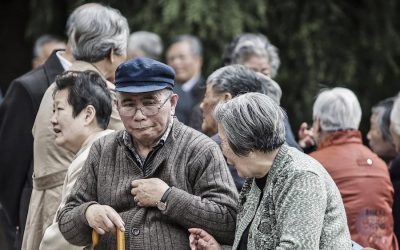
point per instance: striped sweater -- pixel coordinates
(203, 193)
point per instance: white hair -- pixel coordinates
(337, 109)
(94, 30)
(148, 42)
(252, 122)
(395, 115)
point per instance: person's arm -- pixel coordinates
(71, 218)
(213, 204)
(300, 211)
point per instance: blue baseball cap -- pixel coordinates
(141, 74)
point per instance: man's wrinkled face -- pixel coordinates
(186, 64)
(142, 124)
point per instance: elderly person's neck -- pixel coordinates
(262, 162)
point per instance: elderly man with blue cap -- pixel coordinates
(153, 180)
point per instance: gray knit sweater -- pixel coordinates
(203, 193)
(301, 207)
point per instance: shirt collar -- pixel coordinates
(127, 139)
(187, 86)
(64, 62)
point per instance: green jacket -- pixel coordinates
(301, 207)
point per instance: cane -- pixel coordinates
(120, 239)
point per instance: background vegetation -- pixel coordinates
(354, 44)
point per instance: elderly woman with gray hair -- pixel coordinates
(361, 176)
(254, 51)
(289, 201)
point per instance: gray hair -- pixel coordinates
(337, 109)
(148, 42)
(194, 42)
(395, 115)
(43, 40)
(238, 79)
(382, 112)
(252, 122)
(247, 45)
(95, 30)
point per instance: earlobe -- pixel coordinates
(90, 113)
(174, 101)
(227, 96)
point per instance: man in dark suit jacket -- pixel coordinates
(184, 55)
(17, 115)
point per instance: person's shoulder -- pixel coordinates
(299, 162)
(30, 78)
(110, 138)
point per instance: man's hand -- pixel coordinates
(103, 218)
(306, 138)
(201, 240)
(147, 192)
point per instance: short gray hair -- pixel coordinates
(247, 45)
(95, 30)
(395, 115)
(382, 112)
(337, 109)
(43, 40)
(237, 79)
(148, 42)
(194, 42)
(252, 122)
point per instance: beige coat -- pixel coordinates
(53, 238)
(50, 165)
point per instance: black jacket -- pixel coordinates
(17, 115)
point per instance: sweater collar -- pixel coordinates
(341, 137)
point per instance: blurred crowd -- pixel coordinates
(101, 136)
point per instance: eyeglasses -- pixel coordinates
(147, 110)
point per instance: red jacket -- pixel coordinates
(364, 183)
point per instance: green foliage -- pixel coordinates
(354, 44)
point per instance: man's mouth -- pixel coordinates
(56, 130)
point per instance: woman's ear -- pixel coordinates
(226, 96)
(90, 114)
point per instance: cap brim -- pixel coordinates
(127, 88)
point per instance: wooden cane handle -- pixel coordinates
(120, 239)
(95, 238)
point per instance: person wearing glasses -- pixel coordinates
(153, 180)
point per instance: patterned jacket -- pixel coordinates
(301, 207)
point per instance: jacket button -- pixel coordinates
(135, 231)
